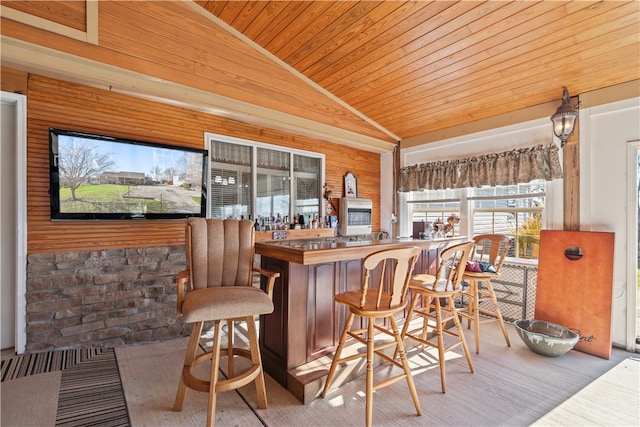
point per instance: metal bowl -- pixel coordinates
(546, 338)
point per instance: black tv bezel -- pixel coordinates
(54, 181)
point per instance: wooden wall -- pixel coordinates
(176, 42)
(55, 103)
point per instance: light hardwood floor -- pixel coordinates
(510, 387)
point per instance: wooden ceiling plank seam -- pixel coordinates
(617, 20)
(298, 75)
(374, 49)
(397, 87)
(354, 31)
(462, 41)
(191, 35)
(558, 80)
(407, 16)
(284, 82)
(534, 91)
(435, 125)
(228, 45)
(575, 5)
(595, 65)
(305, 34)
(299, 100)
(327, 33)
(219, 57)
(445, 25)
(248, 14)
(268, 35)
(272, 13)
(554, 27)
(190, 40)
(216, 7)
(382, 57)
(479, 12)
(230, 10)
(599, 68)
(276, 34)
(442, 80)
(522, 46)
(438, 84)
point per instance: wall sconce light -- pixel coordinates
(564, 120)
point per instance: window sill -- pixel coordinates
(521, 261)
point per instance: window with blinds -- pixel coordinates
(254, 180)
(514, 210)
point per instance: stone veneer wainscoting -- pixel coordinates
(102, 298)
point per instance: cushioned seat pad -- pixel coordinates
(425, 282)
(225, 302)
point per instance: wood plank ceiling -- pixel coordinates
(421, 66)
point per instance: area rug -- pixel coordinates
(90, 387)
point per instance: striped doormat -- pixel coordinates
(90, 388)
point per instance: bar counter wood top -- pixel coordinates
(317, 251)
(299, 336)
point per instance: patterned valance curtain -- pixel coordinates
(507, 168)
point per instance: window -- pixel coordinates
(230, 181)
(515, 210)
(260, 181)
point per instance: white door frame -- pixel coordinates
(633, 150)
(19, 102)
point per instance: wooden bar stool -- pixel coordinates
(373, 303)
(219, 275)
(433, 300)
(489, 254)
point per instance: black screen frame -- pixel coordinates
(54, 175)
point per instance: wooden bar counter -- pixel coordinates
(297, 339)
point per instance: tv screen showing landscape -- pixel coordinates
(98, 177)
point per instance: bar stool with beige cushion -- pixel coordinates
(373, 303)
(489, 254)
(219, 277)
(433, 300)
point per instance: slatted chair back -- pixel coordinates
(453, 261)
(401, 261)
(492, 248)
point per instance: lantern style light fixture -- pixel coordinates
(564, 120)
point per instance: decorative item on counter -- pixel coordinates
(438, 231)
(327, 197)
(350, 185)
(452, 220)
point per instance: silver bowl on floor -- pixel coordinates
(546, 338)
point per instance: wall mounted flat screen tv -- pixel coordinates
(99, 177)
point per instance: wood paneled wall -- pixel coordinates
(71, 14)
(55, 103)
(175, 41)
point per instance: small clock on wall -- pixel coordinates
(350, 185)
